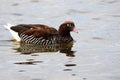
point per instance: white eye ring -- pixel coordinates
(68, 24)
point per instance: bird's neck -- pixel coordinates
(64, 32)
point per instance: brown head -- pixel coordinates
(66, 27)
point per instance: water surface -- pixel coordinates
(96, 50)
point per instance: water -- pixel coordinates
(96, 50)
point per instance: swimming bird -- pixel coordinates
(44, 35)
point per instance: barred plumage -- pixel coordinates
(45, 35)
(40, 40)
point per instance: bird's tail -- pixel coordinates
(14, 34)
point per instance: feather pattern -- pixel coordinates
(43, 34)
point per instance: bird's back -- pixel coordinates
(36, 33)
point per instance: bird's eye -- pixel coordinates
(68, 25)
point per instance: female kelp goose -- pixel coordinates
(45, 35)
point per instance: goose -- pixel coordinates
(43, 34)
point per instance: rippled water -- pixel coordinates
(96, 52)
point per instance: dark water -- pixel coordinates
(94, 56)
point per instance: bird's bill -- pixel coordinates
(75, 30)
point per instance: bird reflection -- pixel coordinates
(26, 48)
